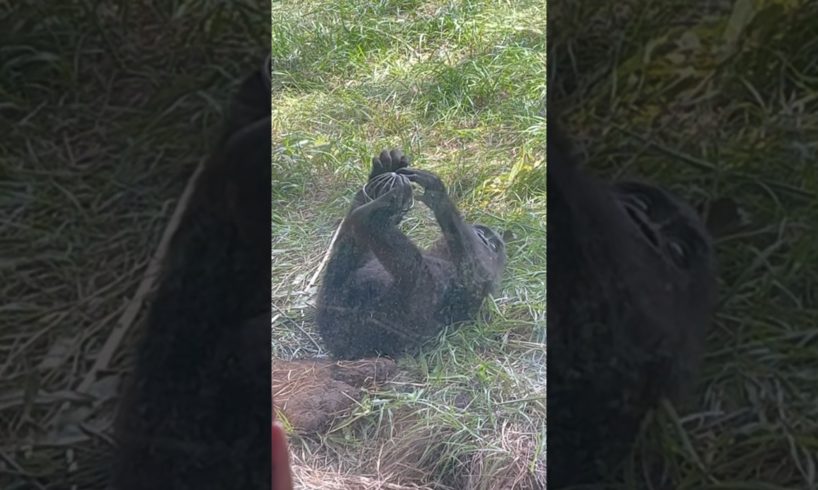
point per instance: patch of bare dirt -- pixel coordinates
(311, 393)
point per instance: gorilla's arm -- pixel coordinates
(459, 236)
(584, 223)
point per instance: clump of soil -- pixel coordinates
(311, 393)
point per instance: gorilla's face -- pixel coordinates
(666, 225)
(493, 245)
(673, 243)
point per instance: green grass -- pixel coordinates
(460, 87)
(105, 111)
(720, 107)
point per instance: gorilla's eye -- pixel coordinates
(642, 201)
(679, 252)
(486, 241)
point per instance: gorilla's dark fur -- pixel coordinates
(381, 293)
(630, 297)
(197, 413)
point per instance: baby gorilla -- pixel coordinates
(381, 293)
(633, 279)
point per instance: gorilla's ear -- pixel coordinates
(722, 216)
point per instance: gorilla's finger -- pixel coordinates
(377, 168)
(425, 179)
(386, 159)
(396, 156)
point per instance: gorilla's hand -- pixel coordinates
(434, 190)
(387, 209)
(398, 200)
